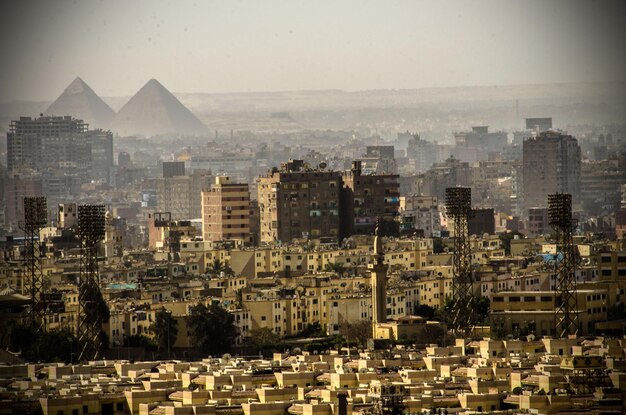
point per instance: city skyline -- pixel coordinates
(222, 47)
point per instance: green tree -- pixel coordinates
(358, 331)
(139, 340)
(337, 268)
(437, 245)
(165, 329)
(425, 311)
(445, 313)
(212, 328)
(217, 266)
(431, 333)
(51, 346)
(506, 238)
(313, 330)
(390, 228)
(482, 308)
(262, 338)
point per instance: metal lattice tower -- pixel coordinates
(566, 304)
(459, 209)
(92, 309)
(35, 218)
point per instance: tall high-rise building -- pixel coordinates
(423, 154)
(50, 144)
(367, 197)
(16, 188)
(539, 124)
(182, 195)
(297, 201)
(173, 168)
(379, 160)
(226, 211)
(551, 164)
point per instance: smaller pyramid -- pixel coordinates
(80, 101)
(154, 110)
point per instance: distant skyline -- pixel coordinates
(228, 46)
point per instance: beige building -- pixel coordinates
(534, 310)
(226, 211)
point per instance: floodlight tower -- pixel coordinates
(92, 310)
(35, 218)
(459, 209)
(566, 304)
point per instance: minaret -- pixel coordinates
(378, 272)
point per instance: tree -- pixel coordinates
(212, 328)
(217, 266)
(445, 313)
(431, 333)
(262, 338)
(165, 329)
(437, 245)
(51, 346)
(337, 268)
(482, 308)
(506, 239)
(139, 340)
(389, 228)
(313, 330)
(425, 311)
(359, 331)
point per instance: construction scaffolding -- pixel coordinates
(35, 218)
(566, 304)
(459, 209)
(92, 309)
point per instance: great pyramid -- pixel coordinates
(155, 110)
(80, 101)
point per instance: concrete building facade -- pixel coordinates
(226, 211)
(296, 201)
(367, 197)
(551, 164)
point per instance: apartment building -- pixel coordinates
(367, 197)
(297, 201)
(551, 164)
(534, 310)
(420, 213)
(226, 211)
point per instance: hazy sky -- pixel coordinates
(232, 46)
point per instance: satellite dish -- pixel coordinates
(322, 165)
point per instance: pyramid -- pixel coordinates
(155, 110)
(80, 101)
